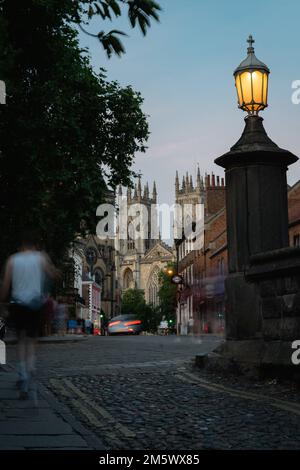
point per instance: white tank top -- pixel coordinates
(27, 277)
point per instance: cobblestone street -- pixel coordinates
(143, 393)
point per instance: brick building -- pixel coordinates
(294, 214)
(202, 254)
(204, 267)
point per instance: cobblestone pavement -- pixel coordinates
(143, 393)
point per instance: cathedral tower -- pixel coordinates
(131, 251)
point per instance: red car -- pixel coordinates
(125, 324)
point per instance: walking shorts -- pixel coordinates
(26, 320)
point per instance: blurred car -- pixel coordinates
(125, 324)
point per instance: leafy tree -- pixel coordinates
(64, 130)
(167, 295)
(134, 303)
(83, 12)
(152, 318)
(139, 12)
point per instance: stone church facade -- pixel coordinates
(139, 261)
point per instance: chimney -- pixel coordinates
(213, 180)
(218, 180)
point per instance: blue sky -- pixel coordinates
(183, 69)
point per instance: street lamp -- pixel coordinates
(251, 81)
(256, 199)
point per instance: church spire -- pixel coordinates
(139, 188)
(187, 181)
(198, 178)
(177, 183)
(154, 192)
(146, 191)
(202, 183)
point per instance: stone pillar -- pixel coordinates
(257, 218)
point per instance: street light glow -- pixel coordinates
(251, 81)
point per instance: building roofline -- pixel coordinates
(216, 215)
(219, 250)
(295, 186)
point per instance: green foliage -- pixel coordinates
(64, 130)
(83, 12)
(167, 296)
(104, 319)
(139, 12)
(134, 303)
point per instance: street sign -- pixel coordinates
(177, 279)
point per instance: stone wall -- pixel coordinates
(277, 276)
(275, 279)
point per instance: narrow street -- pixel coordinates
(126, 393)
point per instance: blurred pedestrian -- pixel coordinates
(60, 317)
(48, 315)
(24, 282)
(87, 326)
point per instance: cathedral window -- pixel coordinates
(153, 287)
(128, 279)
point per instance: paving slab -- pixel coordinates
(30, 427)
(33, 414)
(47, 426)
(42, 442)
(20, 404)
(9, 394)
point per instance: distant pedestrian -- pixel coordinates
(87, 326)
(24, 282)
(60, 317)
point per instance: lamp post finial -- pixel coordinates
(250, 41)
